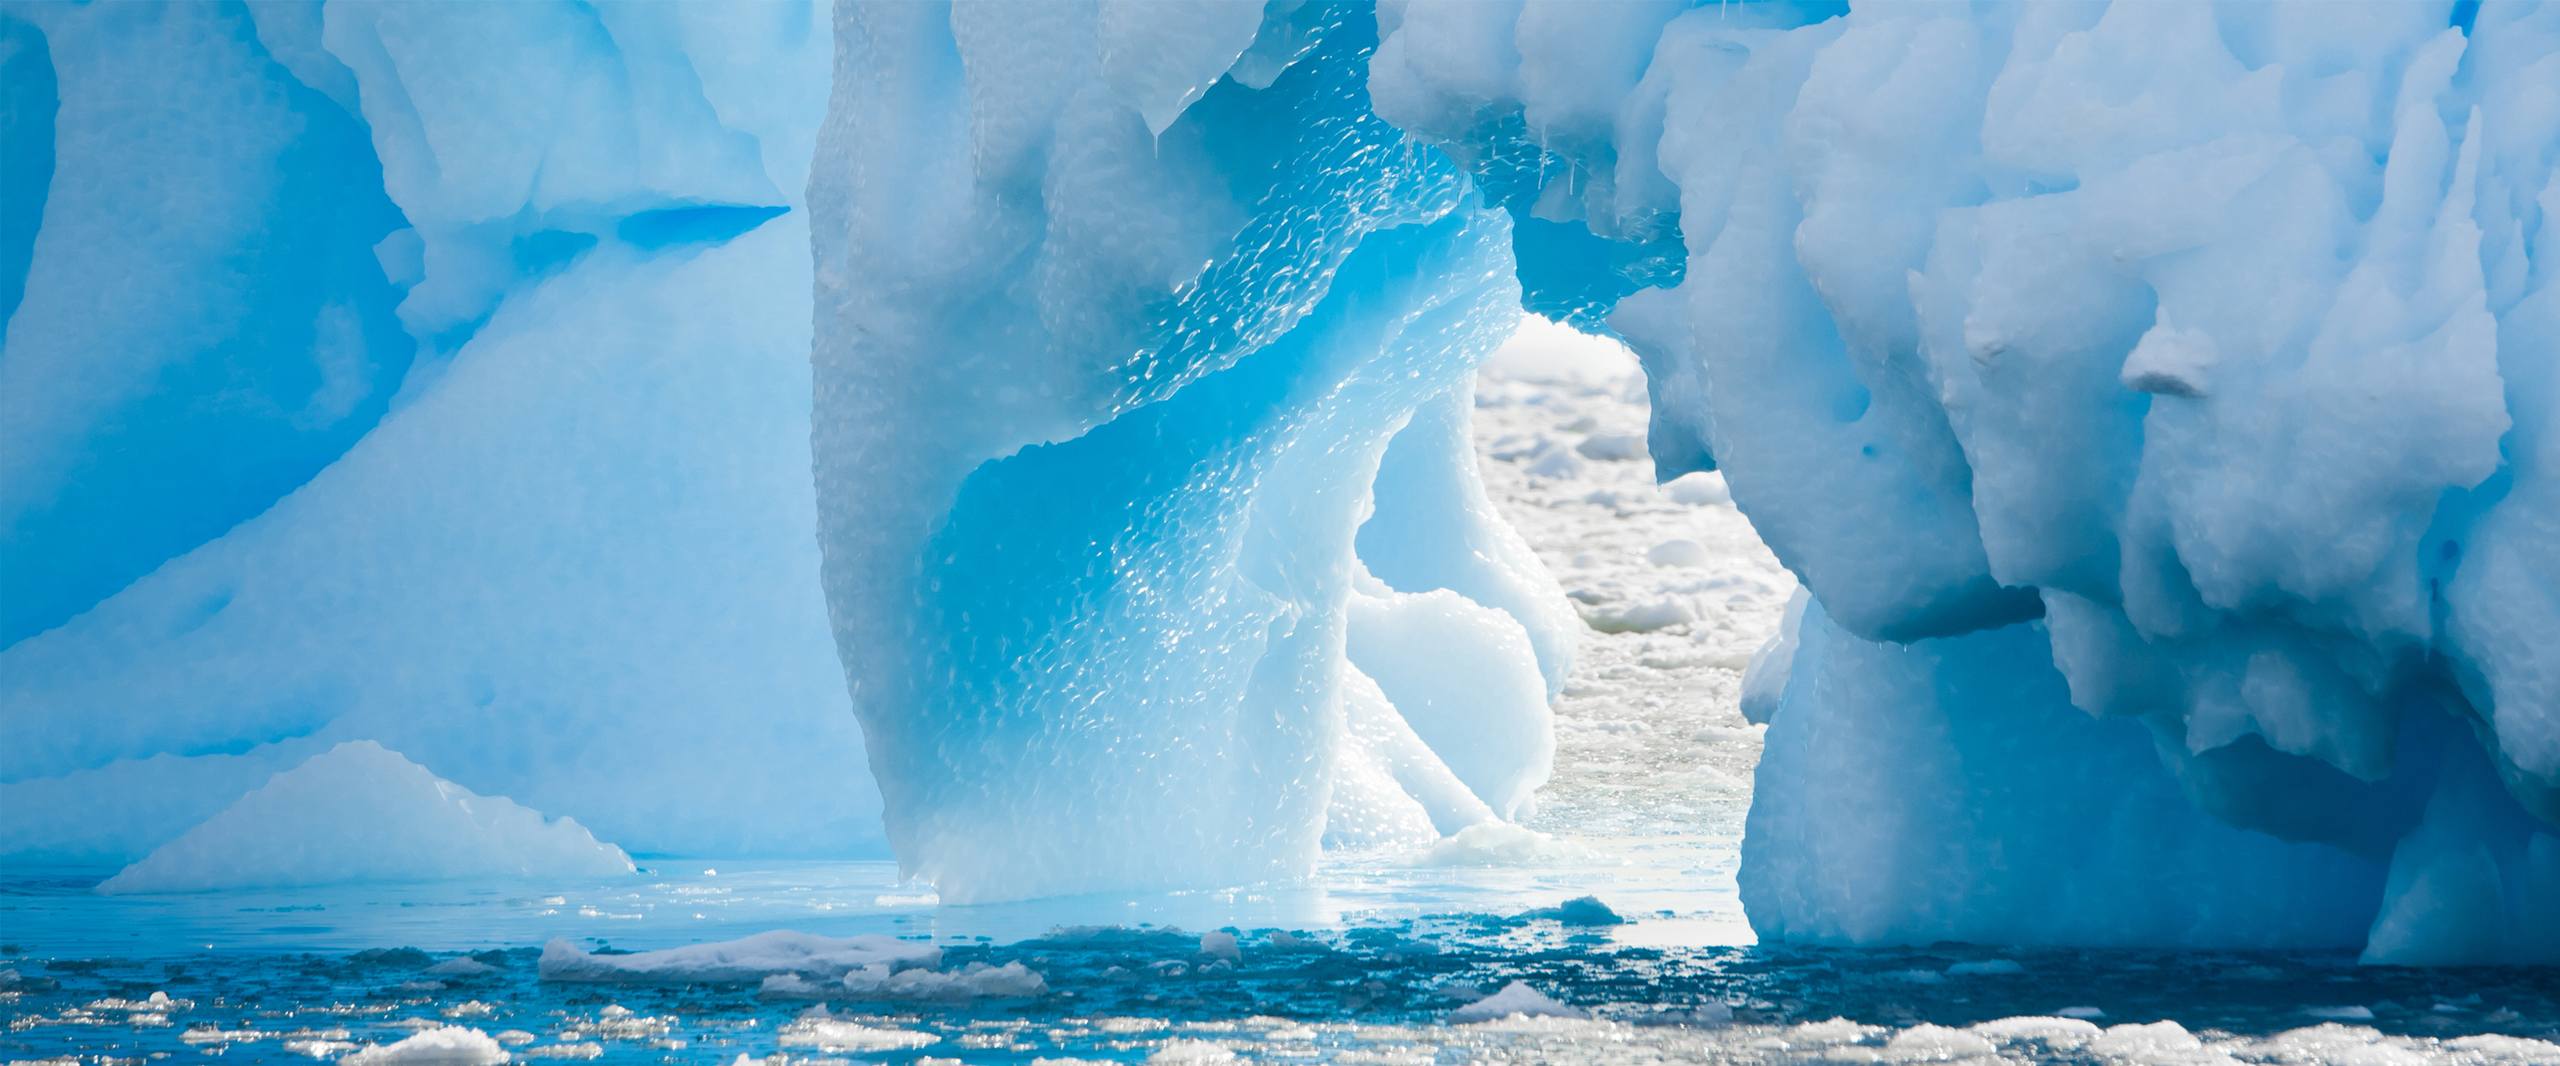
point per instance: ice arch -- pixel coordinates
(2149, 394)
(2153, 396)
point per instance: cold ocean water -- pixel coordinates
(1613, 910)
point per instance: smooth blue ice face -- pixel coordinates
(195, 323)
(433, 375)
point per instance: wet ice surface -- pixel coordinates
(1366, 963)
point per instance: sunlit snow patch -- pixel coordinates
(362, 812)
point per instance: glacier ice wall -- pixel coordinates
(2200, 350)
(1120, 310)
(428, 374)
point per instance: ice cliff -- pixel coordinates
(2150, 396)
(2202, 351)
(429, 374)
(2153, 397)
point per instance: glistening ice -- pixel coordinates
(1035, 442)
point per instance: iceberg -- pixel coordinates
(2196, 350)
(2153, 399)
(1109, 372)
(361, 812)
(494, 452)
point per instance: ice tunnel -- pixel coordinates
(2150, 396)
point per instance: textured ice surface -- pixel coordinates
(2215, 335)
(1929, 817)
(424, 373)
(360, 812)
(2152, 396)
(1104, 384)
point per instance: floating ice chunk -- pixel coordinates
(1827, 1033)
(361, 812)
(1554, 462)
(977, 980)
(1936, 1043)
(444, 1045)
(1678, 551)
(736, 961)
(1702, 489)
(1516, 999)
(1611, 447)
(1499, 844)
(1580, 910)
(461, 966)
(2495, 1048)
(818, 1029)
(1220, 945)
(1643, 617)
(2064, 1031)
(1191, 1053)
(2141, 1042)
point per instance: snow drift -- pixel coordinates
(360, 812)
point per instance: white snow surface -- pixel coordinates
(1515, 1000)
(443, 1045)
(361, 812)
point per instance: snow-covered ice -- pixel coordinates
(2194, 350)
(361, 812)
(1515, 1000)
(444, 1045)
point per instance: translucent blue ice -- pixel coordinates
(2154, 398)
